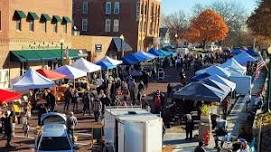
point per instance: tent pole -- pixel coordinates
(73, 83)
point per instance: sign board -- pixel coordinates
(98, 47)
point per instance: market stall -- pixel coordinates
(7, 96)
(52, 75)
(86, 66)
(215, 69)
(32, 80)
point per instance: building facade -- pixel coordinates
(31, 25)
(137, 20)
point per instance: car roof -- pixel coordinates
(54, 130)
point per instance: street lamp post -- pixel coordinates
(121, 44)
(61, 50)
(176, 38)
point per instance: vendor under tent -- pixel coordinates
(222, 80)
(71, 72)
(243, 58)
(52, 75)
(198, 91)
(108, 63)
(234, 67)
(32, 80)
(136, 58)
(214, 69)
(8, 96)
(86, 66)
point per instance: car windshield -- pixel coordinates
(54, 143)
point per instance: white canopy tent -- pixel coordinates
(71, 72)
(86, 66)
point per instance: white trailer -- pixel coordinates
(132, 130)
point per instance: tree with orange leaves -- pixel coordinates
(208, 26)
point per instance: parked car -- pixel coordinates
(54, 138)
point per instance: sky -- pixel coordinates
(170, 6)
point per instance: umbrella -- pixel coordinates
(7, 96)
(71, 72)
(32, 80)
(52, 75)
(86, 66)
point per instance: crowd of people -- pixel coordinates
(122, 88)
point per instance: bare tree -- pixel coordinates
(177, 24)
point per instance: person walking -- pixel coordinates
(200, 148)
(8, 127)
(67, 98)
(75, 98)
(71, 124)
(42, 110)
(140, 92)
(189, 125)
(50, 99)
(87, 101)
(97, 107)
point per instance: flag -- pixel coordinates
(259, 66)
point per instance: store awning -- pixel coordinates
(67, 19)
(19, 14)
(32, 16)
(121, 44)
(44, 55)
(57, 18)
(45, 17)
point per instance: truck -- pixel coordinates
(132, 130)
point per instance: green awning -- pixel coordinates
(19, 14)
(46, 17)
(67, 19)
(32, 16)
(43, 55)
(57, 18)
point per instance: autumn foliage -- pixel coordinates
(207, 27)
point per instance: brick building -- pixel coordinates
(33, 33)
(137, 20)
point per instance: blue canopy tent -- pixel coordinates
(106, 65)
(211, 82)
(200, 92)
(32, 80)
(200, 77)
(137, 57)
(236, 51)
(234, 67)
(222, 80)
(252, 52)
(157, 53)
(215, 69)
(243, 58)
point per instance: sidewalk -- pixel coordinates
(177, 140)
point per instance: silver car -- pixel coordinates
(54, 138)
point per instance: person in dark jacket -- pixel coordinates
(8, 127)
(200, 147)
(67, 98)
(51, 100)
(87, 102)
(189, 125)
(42, 110)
